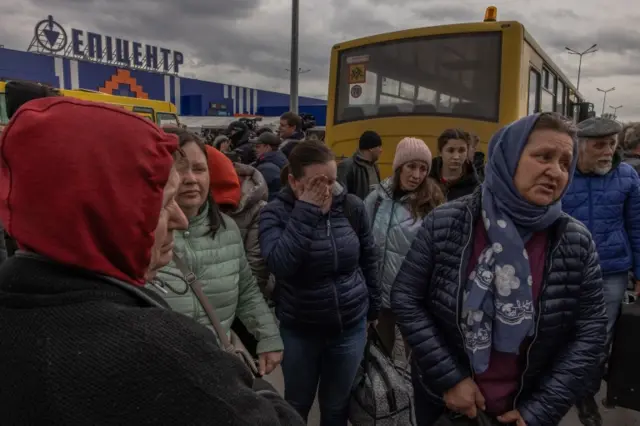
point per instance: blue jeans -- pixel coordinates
(330, 361)
(614, 287)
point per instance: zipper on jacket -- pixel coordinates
(460, 300)
(334, 247)
(547, 269)
(386, 242)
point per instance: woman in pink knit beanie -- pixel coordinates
(397, 207)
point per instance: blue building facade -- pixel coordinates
(192, 97)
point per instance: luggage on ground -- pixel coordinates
(623, 377)
(382, 394)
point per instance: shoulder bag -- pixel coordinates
(196, 286)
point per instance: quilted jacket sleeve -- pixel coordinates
(632, 221)
(254, 255)
(561, 387)
(285, 242)
(254, 312)
(369, 206)
(437, 365)
(369, 258)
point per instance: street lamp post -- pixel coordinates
(604, 100)
(294, 68)
(615, 110)
(592, 49)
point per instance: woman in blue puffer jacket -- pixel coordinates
(316, 241)
(397, 207)
(500, 295)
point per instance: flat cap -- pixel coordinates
(597, 127)
(267, 138)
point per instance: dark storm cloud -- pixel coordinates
(169, 9)
(349, 22)
(620, 41)
(448, 13)
(232, 32)
(553, 31)
(209, 32)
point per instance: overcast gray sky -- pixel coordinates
(246, 42)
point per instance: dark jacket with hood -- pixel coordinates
(291, 142)
(325, 270)
(270, 165)
(83, 342)
(570, 329)
(459, 188)
(353, 174)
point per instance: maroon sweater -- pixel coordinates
(499, 384)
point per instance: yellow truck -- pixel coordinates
(160, 112)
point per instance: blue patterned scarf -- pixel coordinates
(498, 310)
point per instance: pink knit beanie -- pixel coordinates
(411, 149)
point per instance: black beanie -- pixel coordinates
(369, 140)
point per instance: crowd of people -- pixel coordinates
(130, 242)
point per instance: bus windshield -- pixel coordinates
(455, 75)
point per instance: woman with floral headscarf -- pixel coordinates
(500, 296)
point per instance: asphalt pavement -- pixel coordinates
(611, 417)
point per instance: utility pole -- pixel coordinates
(294, 68)
(604, 100)
(592, 49)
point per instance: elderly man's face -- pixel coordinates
(596, 154)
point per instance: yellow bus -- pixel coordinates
(475, 76)
(160, 112)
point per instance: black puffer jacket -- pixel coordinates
(326, 271)
(467, 183)
(570, 332)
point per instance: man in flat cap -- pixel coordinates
(605, 196)
(270, 160)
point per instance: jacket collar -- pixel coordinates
(30, 280)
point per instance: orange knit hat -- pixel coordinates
(224, 182)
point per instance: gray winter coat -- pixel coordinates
(393, 229)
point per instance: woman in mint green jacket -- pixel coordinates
(213, 249)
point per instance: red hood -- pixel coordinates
(224, 182)
(82, 183)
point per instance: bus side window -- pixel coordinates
(167, 119)
(145, 112)
(534, 91)
(4, 119)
